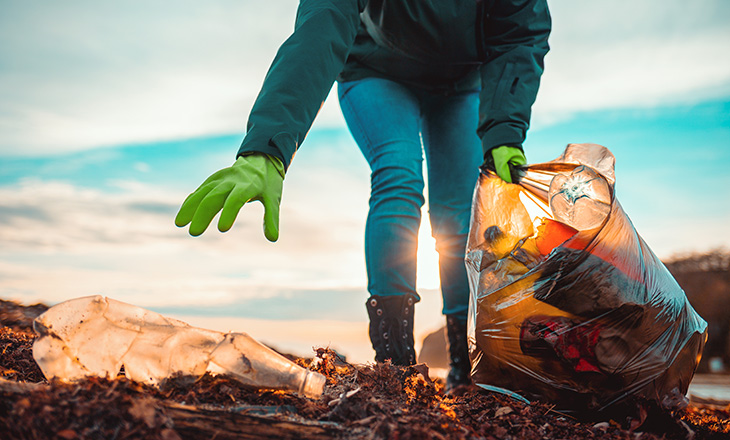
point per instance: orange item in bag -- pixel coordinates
(551, 234)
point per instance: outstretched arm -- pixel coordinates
(301, 76)
(297, 83)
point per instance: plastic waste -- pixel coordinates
(580, 199)
(96, 336)
(568, 303)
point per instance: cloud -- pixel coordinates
(62, 240)
(42, 215)
(626, 54)
(87, 74)
(80, 75)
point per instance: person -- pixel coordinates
(452, 79)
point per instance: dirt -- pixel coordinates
(373, 401)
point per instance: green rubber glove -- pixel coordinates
(505, 159)
(253, 177)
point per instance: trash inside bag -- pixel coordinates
(96, 336)
(568, 303)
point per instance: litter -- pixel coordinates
(97, 336)
(569, 304)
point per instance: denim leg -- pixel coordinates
(384, 119)
(453, 156)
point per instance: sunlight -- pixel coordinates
(428, 258)
(536, 208)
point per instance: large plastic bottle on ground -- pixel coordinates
(96, 336)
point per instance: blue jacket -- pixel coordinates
(497, 46)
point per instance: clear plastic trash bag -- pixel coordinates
(568, 303)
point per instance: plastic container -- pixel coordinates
(96, 336)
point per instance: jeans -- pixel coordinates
(394, 124)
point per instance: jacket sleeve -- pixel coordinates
(516, 41)
(301, 76)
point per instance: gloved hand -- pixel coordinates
(253, 177)
(506, 159)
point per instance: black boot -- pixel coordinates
(460, 366)
(391, 328)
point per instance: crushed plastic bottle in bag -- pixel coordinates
(568, 304)
(97, 336)
(580, 199)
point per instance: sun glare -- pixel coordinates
(428, 258)
(535, 208)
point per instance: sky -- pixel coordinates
(111, 113)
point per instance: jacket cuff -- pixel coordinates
(283, 146)
(503, 134)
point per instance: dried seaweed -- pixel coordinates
(374, 401)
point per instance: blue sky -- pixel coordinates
(111, 114)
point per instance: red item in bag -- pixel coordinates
(551, 234)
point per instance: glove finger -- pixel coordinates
(233, 204)
(271, 218)
(191, 203)
(209, 207)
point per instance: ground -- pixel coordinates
(374, 401)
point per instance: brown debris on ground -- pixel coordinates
(19, 318)
(16, 357)
(378, 401)
(95, 408)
